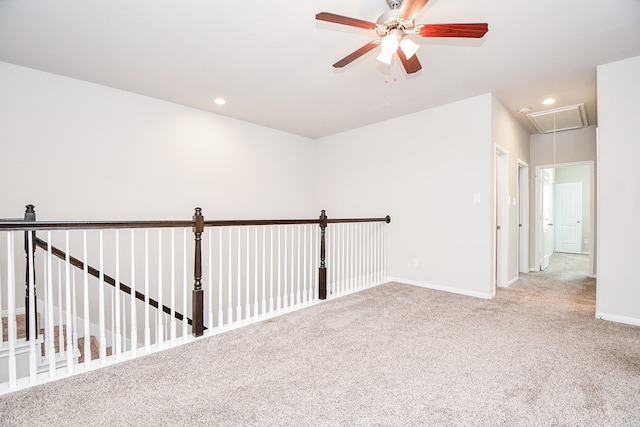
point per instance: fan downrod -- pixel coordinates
(394, 4)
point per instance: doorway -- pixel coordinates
(565, 212)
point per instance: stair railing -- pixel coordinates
(243, 271)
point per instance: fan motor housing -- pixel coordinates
(390, 21)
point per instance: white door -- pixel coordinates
(547, 217)
(568, 218)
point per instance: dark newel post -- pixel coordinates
(30, 215)
(198, 294)
(322, 273)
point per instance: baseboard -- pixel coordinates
(512, 281)
(618, 319)
(444, 288)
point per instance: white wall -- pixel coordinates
(422, 169)
(81, 151)
(618, 289)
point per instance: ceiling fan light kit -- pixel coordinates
(394, 28)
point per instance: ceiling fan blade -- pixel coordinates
(411, 65)
(357, 54)
(345, 20)
(475, 31)
(410, 9)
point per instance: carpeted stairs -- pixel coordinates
(21, 328)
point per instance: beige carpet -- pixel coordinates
(394, 355)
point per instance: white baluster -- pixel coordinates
(185, 285)
(132, 309)
(74, 314)
(210, 291)
(365, 252)
(304, 267)
(255, 274)
(103, 337)
(117, 344)
(298, 293)
(160, 327)
(271, 270)
(339, 257)
(264, 269)
(384, 255)
(380, 242)
(285, 302)
(220, 311)
(359, 255)
(372, 258)
(123, 305)
(343, 257)
(312, 227)
(353, 257)
(369, 252)
(113, 319)
(87, 323)
(60, 310)
(279, 300)
(50, 339)
(173, 287)
(239, 282)
(147, 326)
(292, 277)
(247, 306)
(328, 259)
(230, 283)
(11, 310)
(347, 256)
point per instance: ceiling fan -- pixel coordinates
(395, 26)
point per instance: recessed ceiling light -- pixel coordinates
(549, 101)
(219, 101)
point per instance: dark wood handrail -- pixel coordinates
(108, 279)
(12, 225)
(89, 225)
(241, 222)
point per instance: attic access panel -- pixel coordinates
(566, 118)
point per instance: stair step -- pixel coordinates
(21, 332)
(21, 326)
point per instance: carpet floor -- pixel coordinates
(394, 355)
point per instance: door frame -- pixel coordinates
(537, 223)
(523, 217)
(501, 217)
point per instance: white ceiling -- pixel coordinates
(272, 61)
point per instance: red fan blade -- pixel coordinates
(357, 54)
(345, 20)
(475, 31)
(411, 65)
(410, 9)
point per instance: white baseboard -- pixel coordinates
(459, 291)
(618, 319)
